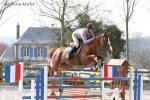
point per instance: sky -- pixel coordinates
(25, 16)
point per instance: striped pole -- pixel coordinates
(75, 96)
(102, 84)
(74, 86)
(135, 85)
(32, 89)
(38, 87)
(45, 82)
(42, 84)
(139, 87)
(83, 79)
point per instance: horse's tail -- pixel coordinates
(52, 50)
(50, 54)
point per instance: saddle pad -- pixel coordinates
(67, 51)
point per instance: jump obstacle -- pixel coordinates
(15, 74)
(42, 82)
(43, 95)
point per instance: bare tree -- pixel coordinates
(140, 51)
(63, 11)
(58, 10)
(143, 58)
(5, 5)
(128, 8)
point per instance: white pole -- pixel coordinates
(33, 89)
(102, 84)
(131, 84)
(141, 89)
(20, 88)
(45, 82)
(117, 93)
(103, 90)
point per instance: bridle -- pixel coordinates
(105, 45)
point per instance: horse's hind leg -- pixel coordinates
(52, 82)
(54, 72)
(50, 71)
(59, 72)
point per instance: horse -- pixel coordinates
(57, 57)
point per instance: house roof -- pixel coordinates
(38, 35)
(9, 54)
(117, 62)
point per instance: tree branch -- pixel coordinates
(5, 4)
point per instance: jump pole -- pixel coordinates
(102, 83)
(131, 84)
(45, 82)
(33, 90)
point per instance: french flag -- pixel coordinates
(109, 71)
(12, 73)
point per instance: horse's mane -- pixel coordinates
(100, 33)
(96, 35)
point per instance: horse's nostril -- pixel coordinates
(110, 51)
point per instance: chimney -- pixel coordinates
(18, 31)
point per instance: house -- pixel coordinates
(32, 46)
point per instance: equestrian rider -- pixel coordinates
(85, 34)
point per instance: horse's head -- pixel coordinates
(103, 41)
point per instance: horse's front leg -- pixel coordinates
(95, 58)
(100, 57)
(86, 57)
(101, 60)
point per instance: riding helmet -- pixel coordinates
(90, 26)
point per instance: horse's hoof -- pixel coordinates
(60, 91)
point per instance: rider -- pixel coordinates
(85, 34)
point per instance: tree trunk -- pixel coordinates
(127, 31)
(127, 41)
(62, 39)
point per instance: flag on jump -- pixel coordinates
(109, 71)
(12, 73)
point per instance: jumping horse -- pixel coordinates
(57, 57)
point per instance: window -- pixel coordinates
(40, 52)
(26, 52)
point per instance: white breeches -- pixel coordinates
(75, 40)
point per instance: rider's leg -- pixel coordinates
(72, 51)
(76, 41)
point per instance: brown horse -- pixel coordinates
(57, 57)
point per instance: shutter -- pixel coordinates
(114, 71)
(45, 52)
(22, 51)
(35, 52)
(31, 52)
(7, 73)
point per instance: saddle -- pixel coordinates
(71, 51)
(75, 52)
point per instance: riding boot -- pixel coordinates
(74, 49)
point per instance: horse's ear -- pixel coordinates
(108, 34)
(105, 34)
